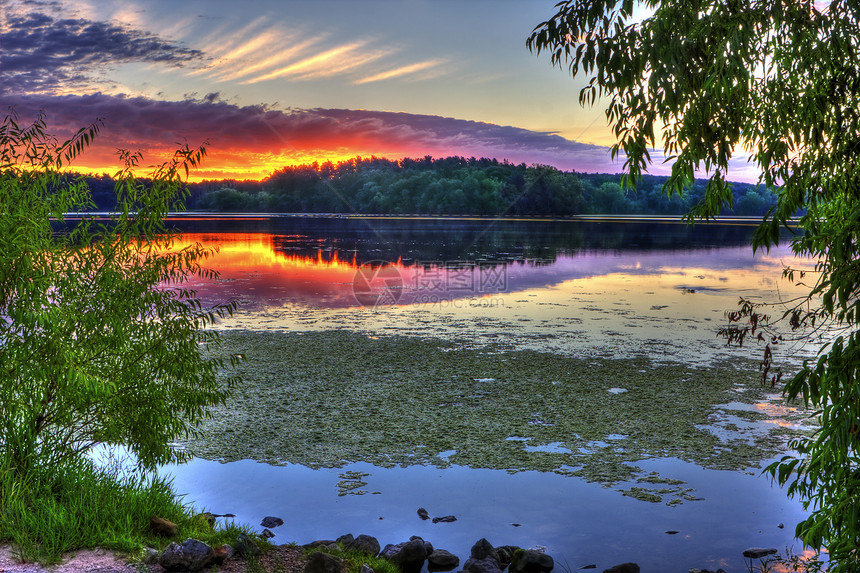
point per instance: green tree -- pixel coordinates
(705, 79)
(101, 340)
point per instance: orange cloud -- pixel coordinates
(401, 71)
(252, 141)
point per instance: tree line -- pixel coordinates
(449, 186)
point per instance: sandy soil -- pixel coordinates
(284, 558)
(93, 561)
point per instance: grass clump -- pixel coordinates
(48, 512)
(354, 559)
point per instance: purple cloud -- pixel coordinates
(42, 53)
(142, 123)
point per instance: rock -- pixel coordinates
(589, 566)
(412, 556)
(245, 546)
(192, 555)
(486, 565)
(162, 527)
(758, 552)
(506, 553)
(483, 549)
(446, 519)
(781, 525)
(531, 561)
(320, 543)
(150, 556)
(270, 521)
(423, 513)
(623, 568)
(345, 540)
(428, 547)
(221, 554)
(366, 544)
(441, 560)
(408, 555)
(366, 569)
(267, 534)
(320, 562)
(484, 558)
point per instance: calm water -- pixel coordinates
(616, 289)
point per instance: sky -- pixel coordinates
(269, 83)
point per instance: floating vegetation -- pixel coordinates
(350, 482)
(326, 399)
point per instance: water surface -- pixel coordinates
(651, 291)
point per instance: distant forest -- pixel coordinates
(446, 186)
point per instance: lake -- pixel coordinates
(553, 384)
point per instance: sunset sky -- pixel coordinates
(269, 83)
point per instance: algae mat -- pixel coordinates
(325, 399)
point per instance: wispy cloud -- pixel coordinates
(235, 72)
(224, 38)
(49, 50)
(223, 47)
(401, 71)
(320, 65)
(344, 65)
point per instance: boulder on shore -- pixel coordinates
(367, 544)
(409, 556)
(320, 562)
(192, 555)
(506, 553)
(441, 560)
(484, 558)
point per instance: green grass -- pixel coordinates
(80, 506)
(353, 560)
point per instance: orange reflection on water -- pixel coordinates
(250, 268)
(778, 413)
(807, 556)
(266, 270)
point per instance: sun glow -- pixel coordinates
(229, 164)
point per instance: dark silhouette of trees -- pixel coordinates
(456, 186)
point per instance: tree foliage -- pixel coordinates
(454, 186)
(101, 340)
(705, 80)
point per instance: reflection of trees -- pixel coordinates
(412, 241)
